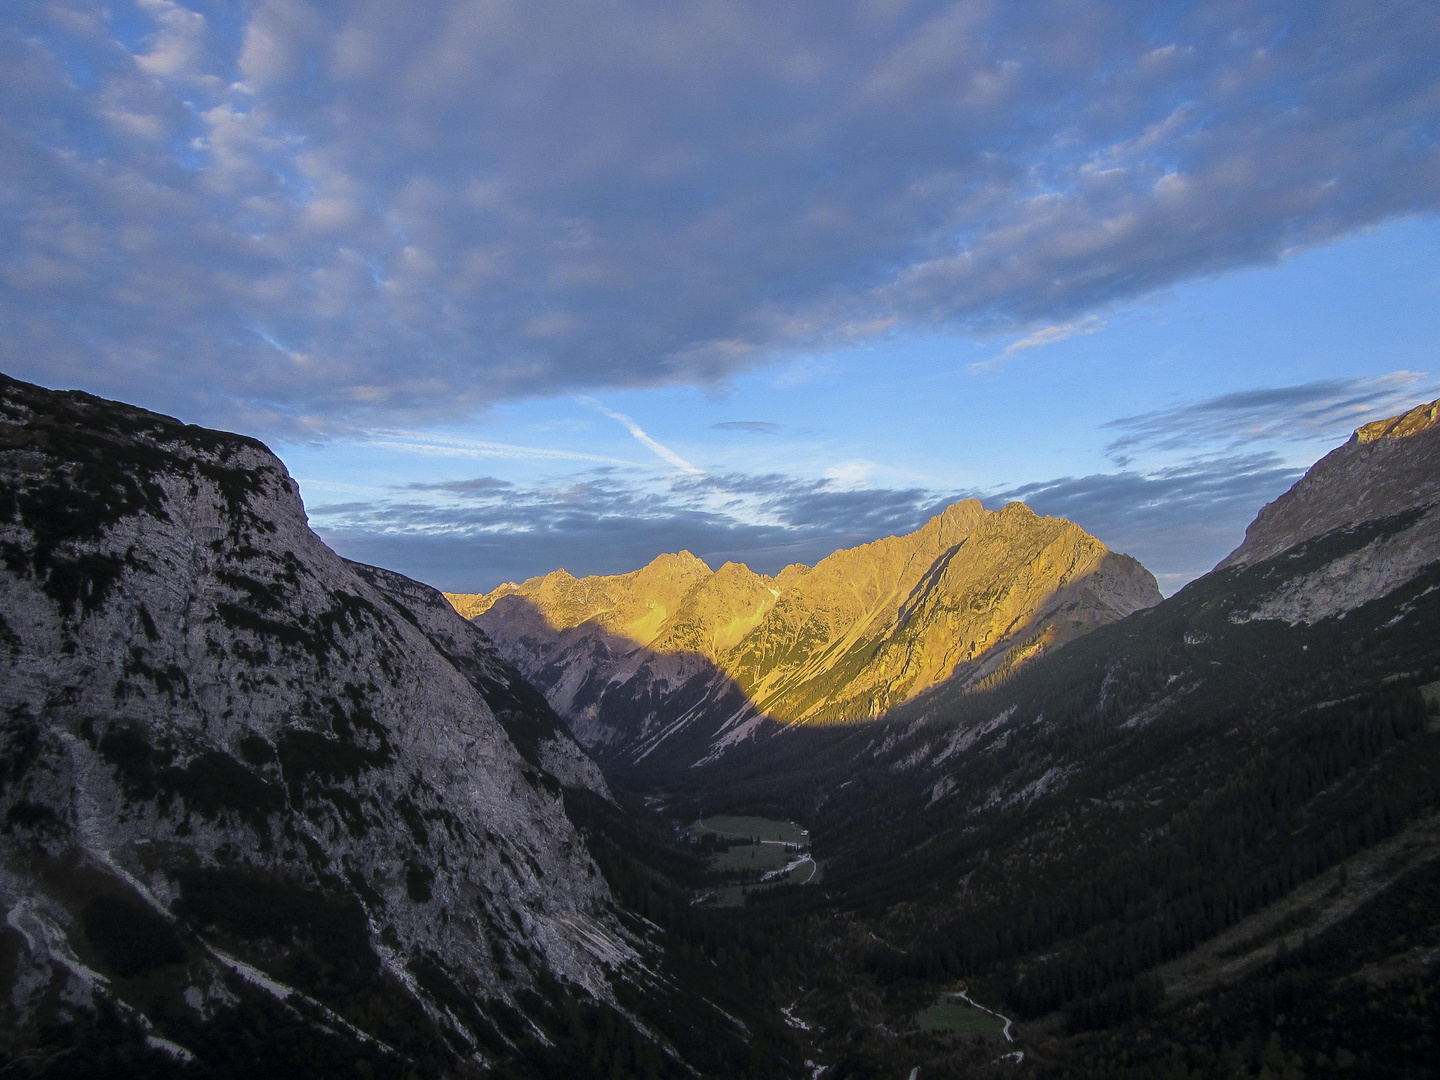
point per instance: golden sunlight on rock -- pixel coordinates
(971, 595)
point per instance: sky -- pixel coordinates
(512, 286)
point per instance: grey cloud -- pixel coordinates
(478, 562)
(1179, 521)
(301, 217)
(816, 504)
(478, 487)
(600, 524)
(1323, 409)
(754, 427)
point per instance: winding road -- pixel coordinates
(965, 996)
(771, 875)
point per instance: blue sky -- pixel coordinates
(511, 286)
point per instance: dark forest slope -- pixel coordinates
(1216, 764)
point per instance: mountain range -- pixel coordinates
(1204, 838)
(263, 809)
(677, 663)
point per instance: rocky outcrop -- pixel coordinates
(675, 654)
(1386, 468)
(536, 731)
(1378, 495)
(251, 787)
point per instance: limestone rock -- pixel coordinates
(675, 655)
(283, 768)
(1386, 468)
(1377, 496)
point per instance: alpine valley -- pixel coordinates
(973, 801)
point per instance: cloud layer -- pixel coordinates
(472, 534)
(1208, 467)
(1313, 411)
(302, 216)
(1179, 521)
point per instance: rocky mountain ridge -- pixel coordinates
(1202, 840)
(713, 657)
(262, 805)
(1388, 467)
(1384, 481)
(1362, 525)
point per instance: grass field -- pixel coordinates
(734, 895)
(749, 859)
(728, 896)
(960, 1019)
(765, 828)
(744, 864)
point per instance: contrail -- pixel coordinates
(658, 449)
(438, 446)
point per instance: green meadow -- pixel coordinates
(957, 1018)
(728, 825)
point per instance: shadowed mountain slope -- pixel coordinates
(1197, 841)
(1386, 468)
(692, 660)
(264, 811)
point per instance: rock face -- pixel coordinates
(1382, 488)
(1386, 468)
(1349, 557)
(248, 785)
(1212, 765)
(680, 657)
(537, 732)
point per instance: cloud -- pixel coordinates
(441, 446)
(754, 427)
(832, 505)
(477, 488)
(850, 475)
(473, 534)
(1326, 409)
(302, 217)
(1179, 520)
(1046, 335)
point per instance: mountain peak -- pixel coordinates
(971, 593)
(1018, 509)
(1388, 467)
(682, 560)
(955, 522)
(1420, 419)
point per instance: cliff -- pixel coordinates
(636, 659)
(1379, 494)
(258, 800)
